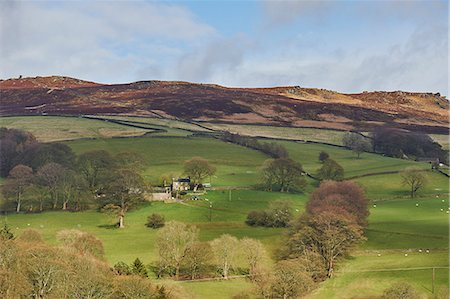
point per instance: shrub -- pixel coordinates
(5, 233)
(155, 221)
(401, 290)
(31, 236)
(279, 214)
(122, 268)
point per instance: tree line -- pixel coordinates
(271, 149)
(396, 143)
(50, 176)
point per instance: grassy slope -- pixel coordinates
(237, 166)
(54, 128)
(396, 224)
(308, 154)
(138, 241)
(321, 135)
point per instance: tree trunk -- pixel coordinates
(19, 201)
(55, 201)
(225, 270)
(177, 272)
(41, 203)
(330, 269)
(64, 207)
(121, 223)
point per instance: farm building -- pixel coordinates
(181, 184)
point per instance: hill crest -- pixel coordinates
(287, 105)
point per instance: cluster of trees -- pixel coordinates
(76, 268)
(279, 214)
(331, 226)
(183, 256)
(51, 176)
(282, 174)
(272, 149)
(136, 268)
(13, 144)
(400, 143)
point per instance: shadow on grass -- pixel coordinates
(108, 226)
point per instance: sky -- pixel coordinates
(347, 46)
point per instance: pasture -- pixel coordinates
(397, 226)
(55, 128)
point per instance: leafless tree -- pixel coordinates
(414, 178)
(225, 249)
(174, 241)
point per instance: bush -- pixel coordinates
(155, 221)
(5, 233)
(323, 156)
(401, 290)
(31, 236)
(256, 218)
(279, 214)
(122, 268)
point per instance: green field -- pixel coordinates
(311, 134)
(55, 128)
(397, 226)
(237, 166)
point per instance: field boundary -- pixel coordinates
(394, 269)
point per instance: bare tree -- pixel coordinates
(290, 280)
(198, 169)
(225, 250)
(174, 241)
(254, 254)
(19, 180)
(95, 167)
(133, 286)
(330, 234)
(357, 143)
(125, 191)
(70, 184)
(198, 258)
(414, 178)
(50, 175)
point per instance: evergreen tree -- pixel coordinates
(138, 268)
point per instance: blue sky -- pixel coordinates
(348, 46)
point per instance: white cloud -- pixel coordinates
(219, 56)
(92, 40)
(127, 41)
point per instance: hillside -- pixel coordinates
(287, 106)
